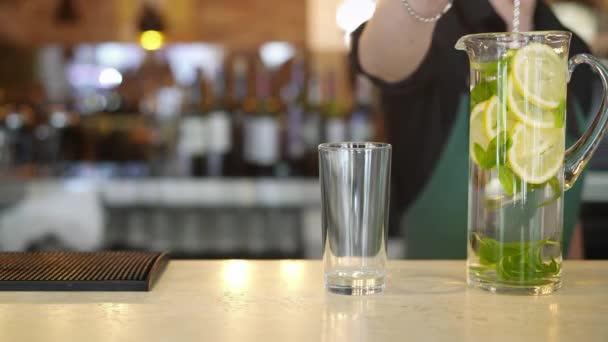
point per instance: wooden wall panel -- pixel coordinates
(247, 22)
(235, 23)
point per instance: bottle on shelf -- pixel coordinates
(294, 96)
(335, 123)
(360, 125)
(73, 138)
(220, 127)
(261, 135)
(192, 145)
(46, 143)
(6, 154)
(311, 130)
(58, 121)
(238, 99)
(21, 123)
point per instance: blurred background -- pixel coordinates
(192, 125)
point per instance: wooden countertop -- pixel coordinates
(285, 301)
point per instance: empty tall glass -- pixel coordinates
(355, 179)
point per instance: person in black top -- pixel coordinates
(422, 76)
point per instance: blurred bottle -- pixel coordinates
(237, 104)
(294, 96)
(46, 146)
(58, 120)
(73, 140)
(312, 126)
(21, 124)
(192, 147)
(220, 128)
(335, 122)
(261, 136)
(360, 124)
(6, 156)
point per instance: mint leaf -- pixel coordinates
(559, 114)
(515, 262)
(496, 153)
(509, 181)
(552, 267)
(482, 157)
(491, 69)
(491, 154)
(491, 251)
(491, 73)
(480, 153)
(555, 185)
(482, 91)
(487, 250)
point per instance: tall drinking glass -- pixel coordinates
(355, 179)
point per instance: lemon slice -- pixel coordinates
(540, 75)
(537, 154)
(527, 112)
(477, 132)
(494, 116)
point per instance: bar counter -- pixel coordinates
(237, 300)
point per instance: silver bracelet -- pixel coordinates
(418, 17)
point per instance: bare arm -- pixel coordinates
(394, 43)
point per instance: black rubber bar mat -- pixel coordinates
(80, 271)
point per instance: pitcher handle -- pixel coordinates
(579, 154)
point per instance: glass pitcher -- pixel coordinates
(519, 166)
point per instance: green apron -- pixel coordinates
(435, 226)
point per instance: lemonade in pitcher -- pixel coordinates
(517, 146)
